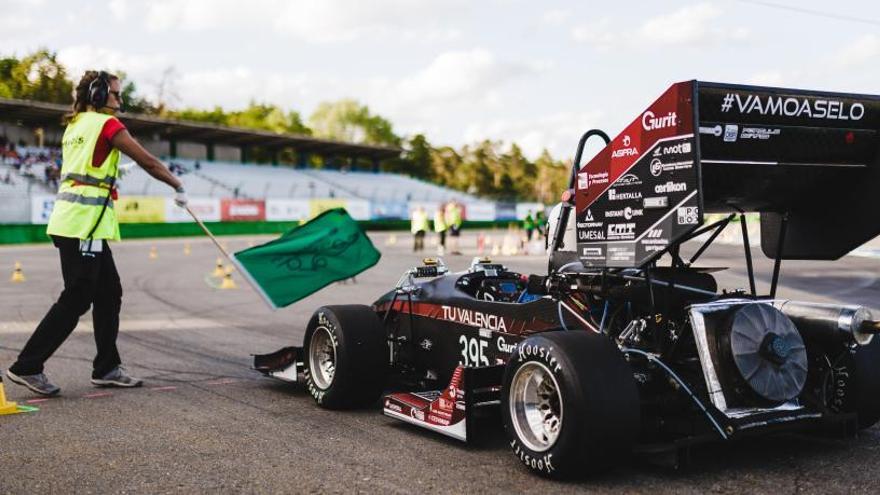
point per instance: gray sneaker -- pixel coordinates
(117, 378)
(38, 383)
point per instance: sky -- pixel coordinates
(535, 73)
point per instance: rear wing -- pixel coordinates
(806, 160)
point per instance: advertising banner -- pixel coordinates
(480, 212)
(318, 206)
(140, 209)
(390, 210)
(41, 208)
(207, 209)
(359, 209)
(523, 209)
(287, 209)
(505, 211)
(242, 210)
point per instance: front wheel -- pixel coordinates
(569, 403)
(345, 356)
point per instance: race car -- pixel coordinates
(626, 344)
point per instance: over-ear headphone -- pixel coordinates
(99, 90)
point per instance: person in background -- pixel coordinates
(419, 227)
(454, 218)
(440, 229)
(529, 226)
(541, 224)
(81, 223)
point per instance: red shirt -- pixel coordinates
(103, 147)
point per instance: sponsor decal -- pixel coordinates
(541, 464)
(627, 213)
(621, 253)
(715, 131)
(654, 240)
(730, 132)
(657, 167)
(596, 179)
(589, 217)
(433, 418)
(670, 187)
(504, 347)
(651, 122)
(474, 318)
(613, 195)
(688, 215)
(628, 180)
(591, 235)
(761, 133)
(791, 106)
(656, 202)
(392, 406)
(417, 414)
(426, 344)
(621, 230)
(539, 352)
(627, 150)
(592, 252)
(675, 149)
(583, 180)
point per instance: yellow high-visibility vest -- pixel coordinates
(453, 215)
(439, 221)
(419, 221)
(83, 188)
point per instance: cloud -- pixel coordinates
(140, 67)
(458, 76)
(864, 50)
(313, 21)
(768, 78)
(119, 9)
(555, 17)
(690, 25)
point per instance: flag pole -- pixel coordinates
(247, 276)
(209, 234)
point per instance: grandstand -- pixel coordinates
(252, 181)
(215, 164)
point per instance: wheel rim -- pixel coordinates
(535, 406)
(322, 357)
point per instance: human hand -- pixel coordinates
(180, 198)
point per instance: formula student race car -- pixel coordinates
(626, 344)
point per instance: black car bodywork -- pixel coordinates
(624, 332)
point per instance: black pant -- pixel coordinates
(90, 279)
(419, 240)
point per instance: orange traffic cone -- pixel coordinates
(6, 407)
(154, 254)
(218, 269)
(227, 282)
(17, 274)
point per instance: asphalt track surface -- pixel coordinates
(204, 422)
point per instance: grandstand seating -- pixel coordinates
(225, 179)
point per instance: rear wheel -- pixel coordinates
(569, 403)
(345, 356)
(852, 383)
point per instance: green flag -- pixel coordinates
(328, 248)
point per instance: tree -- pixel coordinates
(38, 76)
(348, 120)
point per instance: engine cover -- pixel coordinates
(766, 351)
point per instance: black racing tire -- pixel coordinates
(345, 354)
(595, 418)
(855, 384)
